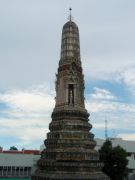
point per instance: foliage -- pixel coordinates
(115, 161)
(13, 148)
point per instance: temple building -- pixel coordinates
(69, 152)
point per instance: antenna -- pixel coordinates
(106, 129)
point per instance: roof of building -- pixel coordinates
(35, 152)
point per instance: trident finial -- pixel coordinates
(70, 16)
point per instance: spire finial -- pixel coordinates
(70, 16)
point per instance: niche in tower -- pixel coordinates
(70, 94)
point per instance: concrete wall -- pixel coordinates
(17, 165)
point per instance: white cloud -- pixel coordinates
(109, 67)
(102, 106)
(28, 114)
(127, 76)
(127, 136)
(124, 75)
(102, 94)
(107, 106)
(39, 99)
(101, 100)
(101, 125)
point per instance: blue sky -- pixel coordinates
(30, 40)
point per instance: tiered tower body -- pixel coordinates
(69, 152)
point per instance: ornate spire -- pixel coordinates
(69, 80)
(70, 45)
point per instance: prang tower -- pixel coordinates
(69, 152)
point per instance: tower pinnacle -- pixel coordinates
(70, 18)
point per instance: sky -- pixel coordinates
(30, 41)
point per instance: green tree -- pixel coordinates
(115, 161)
(13, 148)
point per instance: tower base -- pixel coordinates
(69, 170)
(69, 176)
(70, 153)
